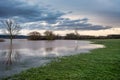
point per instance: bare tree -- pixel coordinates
(11, 28)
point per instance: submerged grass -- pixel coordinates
(99, 64)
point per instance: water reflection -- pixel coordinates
(22, 54)
(49, 49)
(11, 56)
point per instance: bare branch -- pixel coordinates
(10, 27)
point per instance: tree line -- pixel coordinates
(11, 28)
(49, 35)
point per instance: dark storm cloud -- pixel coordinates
(68, 24)
(80, 24)
(24, 12)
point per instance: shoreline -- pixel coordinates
(71, 66)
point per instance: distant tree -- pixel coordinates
(49, 35)
(59, 36)
(71, 36)
(76, 32)
(11, 28)
(34, 35)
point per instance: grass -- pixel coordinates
(99, 64)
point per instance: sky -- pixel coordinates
(88, 17)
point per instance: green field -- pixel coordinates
(99, 64)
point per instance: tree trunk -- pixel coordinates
(9, 58)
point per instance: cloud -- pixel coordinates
(65, 24)
(79, 24)
(25, 12)
(33, 16)
(106, 12)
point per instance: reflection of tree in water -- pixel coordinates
(11, 56)
(49, 52)
(76, 45)
(49, 49)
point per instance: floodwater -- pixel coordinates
(27, 54)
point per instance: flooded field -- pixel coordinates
(26, 54)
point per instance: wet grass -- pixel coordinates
(99, 64)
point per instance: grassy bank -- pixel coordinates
(99, 64)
